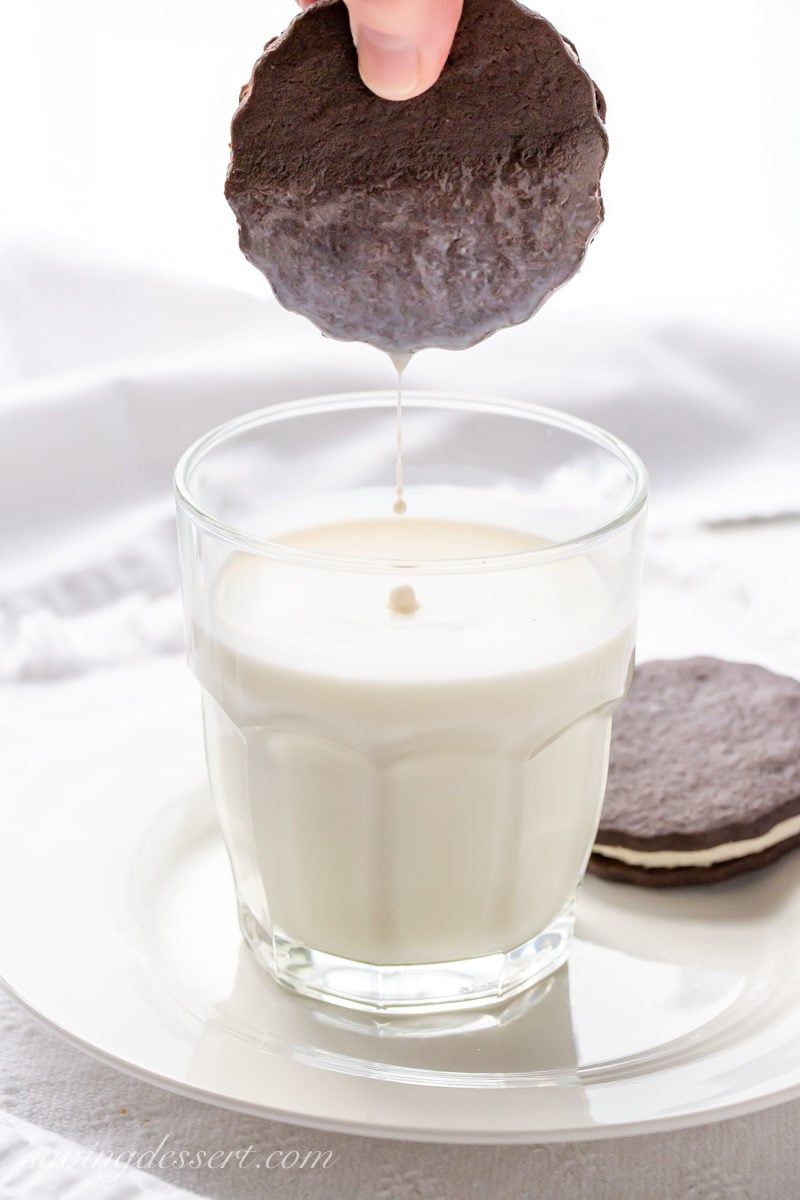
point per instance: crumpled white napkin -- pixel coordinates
(37, 1165)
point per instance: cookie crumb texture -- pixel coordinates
(428, 222)
(704, 753)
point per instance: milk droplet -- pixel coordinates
(403, 599)
(400, 361)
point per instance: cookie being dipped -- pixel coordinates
(704, 774)
(428, 222)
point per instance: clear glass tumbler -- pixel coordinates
(407, 717)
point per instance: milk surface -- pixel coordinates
(408, 766)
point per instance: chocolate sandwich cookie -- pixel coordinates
(704, 776)
(433, 221)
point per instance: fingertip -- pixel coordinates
(404, 45)
(437, 42)
(389, 64)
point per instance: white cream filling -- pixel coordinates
(703, 858)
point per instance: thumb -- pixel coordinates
(402, 44)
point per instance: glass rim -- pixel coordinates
(452, 401)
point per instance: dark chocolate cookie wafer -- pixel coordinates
(428, 222)
(704, 777)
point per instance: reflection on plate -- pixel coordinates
(674, 1008)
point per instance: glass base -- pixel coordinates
(410, 988)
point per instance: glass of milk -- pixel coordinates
(407, 713)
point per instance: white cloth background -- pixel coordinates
(128, 325)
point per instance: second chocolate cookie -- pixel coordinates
(704, 777)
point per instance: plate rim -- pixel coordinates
(354, 1128)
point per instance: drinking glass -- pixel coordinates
(407, 718)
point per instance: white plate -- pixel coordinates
(675, 1008)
